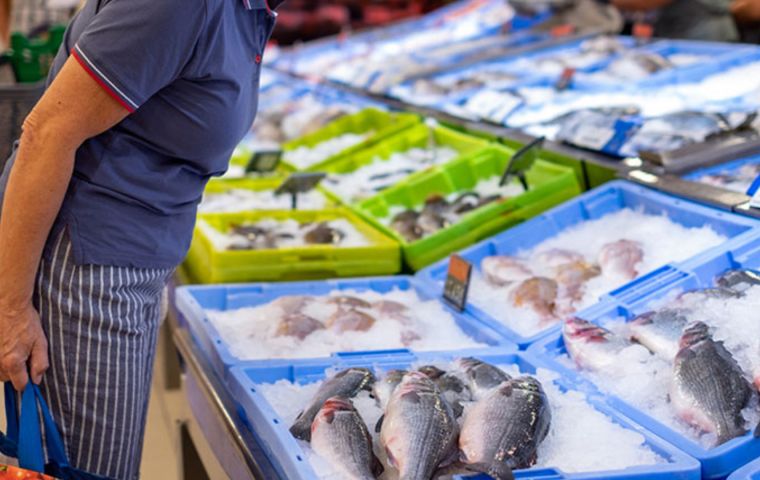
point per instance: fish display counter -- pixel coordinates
(528, 278)
(679, 352)
(493, 413)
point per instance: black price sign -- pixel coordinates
(299, 183)
(521, 161)
(264, 161)
(457, 282)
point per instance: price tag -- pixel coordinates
(522, 160)
(457, 282)
(565, 80)
(299, 183)
(264, 161)
(563, 30)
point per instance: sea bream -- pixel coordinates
(346, 384)
(592, 347)
(709, 390)
(739, 281)
(660, 331)
(340, 436)
(502, 432)
(481, 376)
(418, 430)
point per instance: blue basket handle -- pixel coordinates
(9, 440)
(30, 453)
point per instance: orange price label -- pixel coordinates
(457, 282)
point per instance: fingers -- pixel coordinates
(15, 368)
(38, 360)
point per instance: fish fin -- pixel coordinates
(757, 431)
(391, 459)
(412, 396)
(379, 424)
(457, 408)
(377, 466)
(497, 470)
(301, 430)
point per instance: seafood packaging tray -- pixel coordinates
(609, 198)
(635, 299)
(549, 185)
(418, 136)
(751, 471)
(379, 124)
(291, 462)
(207, 264)
(192, 303)
(727, 171)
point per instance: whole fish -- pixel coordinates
(453, 389)
(592, 347)
(419, 430)
(346, 383)
(709, 390)
(660, 331)
(502, 432)
(739, 281)
(340, 436)
(482, 377)
(385, 387)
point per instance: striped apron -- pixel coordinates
(101, 324)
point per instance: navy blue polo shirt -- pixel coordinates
(188, 73)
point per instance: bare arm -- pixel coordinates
(640, 5)
(73, 109)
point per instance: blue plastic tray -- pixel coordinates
(726, 168)
(609, 198)
(289, 459)
(192, 303)
(634, 300)
(751, 471)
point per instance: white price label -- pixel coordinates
(492, 105)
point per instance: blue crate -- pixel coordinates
(594, 204)
(633, 300)
(751, 471)
(723, 168)
(290, 461)
(192, 303)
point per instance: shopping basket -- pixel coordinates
(23, 440)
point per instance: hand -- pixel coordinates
(746, 11)
(22, 343)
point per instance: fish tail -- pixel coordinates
(497, 470)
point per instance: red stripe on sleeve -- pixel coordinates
(100, 81)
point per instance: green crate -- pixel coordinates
(418, 136)
(550, 184)
(382, 123)
(221, 185)
(206, 264)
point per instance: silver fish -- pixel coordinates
(385, 387)
(739, 281)
(419, 430)
(502, 432)
(453, 389)
(482, 377)
(592, 347)
(346, 383)
(709, 390)
(340, 436)
(660, 331)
